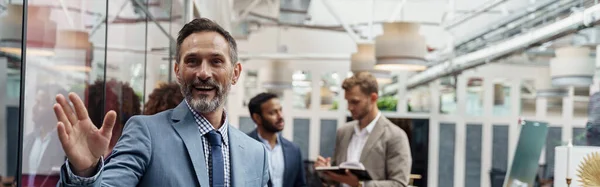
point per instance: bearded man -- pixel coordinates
(191, 145)
(285, 158)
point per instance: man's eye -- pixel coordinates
(217, 61)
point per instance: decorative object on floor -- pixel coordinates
(589, 170)
(578, 154)
(524, 166)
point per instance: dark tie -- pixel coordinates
(218, 170)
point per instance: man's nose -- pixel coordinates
(204, 72)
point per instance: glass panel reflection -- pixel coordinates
(302, 89)
(251, 86)
(502, 97)
(447, 95)
(330, 90)
(388, 95)
(528, 100)
(419, 100)
(474, 100)
(11, 17)
(65, 53)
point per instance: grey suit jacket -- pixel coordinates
(386, 155)
(293, 175)
(166, 149)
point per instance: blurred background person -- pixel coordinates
(41, 148)
(286, 165)
(370, 139)
(119, 97)
(165, 97)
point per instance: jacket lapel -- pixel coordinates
(346, 136)
(288, 163)
(237, 157)
(373, 138)
(186, 127)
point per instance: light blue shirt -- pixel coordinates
(276, 161)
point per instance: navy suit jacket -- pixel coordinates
(294, 166)
(166, 149)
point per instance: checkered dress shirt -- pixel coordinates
(205, 127)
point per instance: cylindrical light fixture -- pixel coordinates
(544, 88)
(277, 76)
(364, 60)
(401, 47)
(572, 66)
(12, 24)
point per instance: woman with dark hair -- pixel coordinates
(165, 97)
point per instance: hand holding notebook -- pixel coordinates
(355, 168)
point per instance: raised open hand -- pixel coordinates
(83, 143)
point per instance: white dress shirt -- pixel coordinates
(276, 161)
(358, 141)
(35, 157)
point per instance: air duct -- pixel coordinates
(572, 66)
(401, 47)
(569, 24)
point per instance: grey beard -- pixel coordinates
(201, 104)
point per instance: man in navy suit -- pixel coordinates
(285, 159)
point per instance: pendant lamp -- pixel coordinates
(401, 47)
(572, 66)
(364, 60)
(278, 76)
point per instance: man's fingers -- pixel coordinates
(109, 123)
(80, 109)
(66, 107)
(61, 117)
(62, 134)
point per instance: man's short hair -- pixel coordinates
(364, 80)
(205, 25)
(257, 101)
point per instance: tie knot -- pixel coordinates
(214, 138)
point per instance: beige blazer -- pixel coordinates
(386, 155)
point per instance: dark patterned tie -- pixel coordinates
(218, 169)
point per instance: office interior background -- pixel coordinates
(463, 74)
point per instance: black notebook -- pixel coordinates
(355, 168)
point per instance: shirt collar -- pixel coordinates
(369, 127)
(266, 141)
(206, 127)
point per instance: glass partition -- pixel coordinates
(110, 54)
(11, 40)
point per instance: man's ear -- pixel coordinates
(176, 70)
(237, 70)
(374, 97)
(256, 119)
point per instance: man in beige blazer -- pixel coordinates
(370, 139)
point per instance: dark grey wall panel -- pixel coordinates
(246, 125)
(552, 140)
(579, 138)
(328, 134)
(446, 155)
(500, 147)
(301, 135)
(473, 156)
